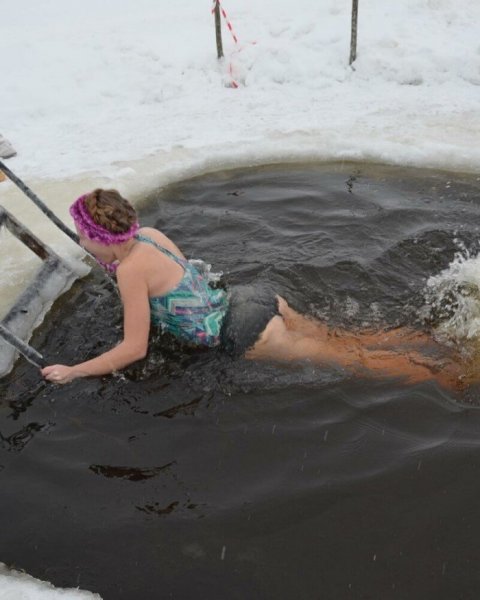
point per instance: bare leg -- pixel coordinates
(392, 338)
(400, 336)
(292, 337)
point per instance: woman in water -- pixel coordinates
(159, 287)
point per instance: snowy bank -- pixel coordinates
(20, 586)
(93, 86)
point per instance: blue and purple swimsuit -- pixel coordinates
(193, 311)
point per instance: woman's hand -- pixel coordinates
(59, 373)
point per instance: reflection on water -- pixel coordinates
(193, 475)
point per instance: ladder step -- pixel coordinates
(53, 279)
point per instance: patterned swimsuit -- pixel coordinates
(193, 311)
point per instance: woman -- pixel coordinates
(159, 287)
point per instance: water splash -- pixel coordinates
(452, 300)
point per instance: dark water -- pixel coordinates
(198, 477)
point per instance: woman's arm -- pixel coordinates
(136, 325)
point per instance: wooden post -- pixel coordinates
(353, 39)
(218, 30)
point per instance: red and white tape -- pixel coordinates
(224, 15)
(233, 83)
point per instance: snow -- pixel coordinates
(130, 93)
(91, 86)
(15, 585)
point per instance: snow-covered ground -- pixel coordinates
(129, 93)
(91, 86)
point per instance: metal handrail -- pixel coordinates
(36, 200)
(37, 246)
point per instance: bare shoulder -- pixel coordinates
(131, 269)
(153, 233)
(161, 239)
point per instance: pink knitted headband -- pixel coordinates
(95, 232)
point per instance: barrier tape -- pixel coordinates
(224, 15)
(233, 83)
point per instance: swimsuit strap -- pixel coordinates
(143, 238)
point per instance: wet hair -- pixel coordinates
(110, 210)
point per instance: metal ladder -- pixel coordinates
(53, 279)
